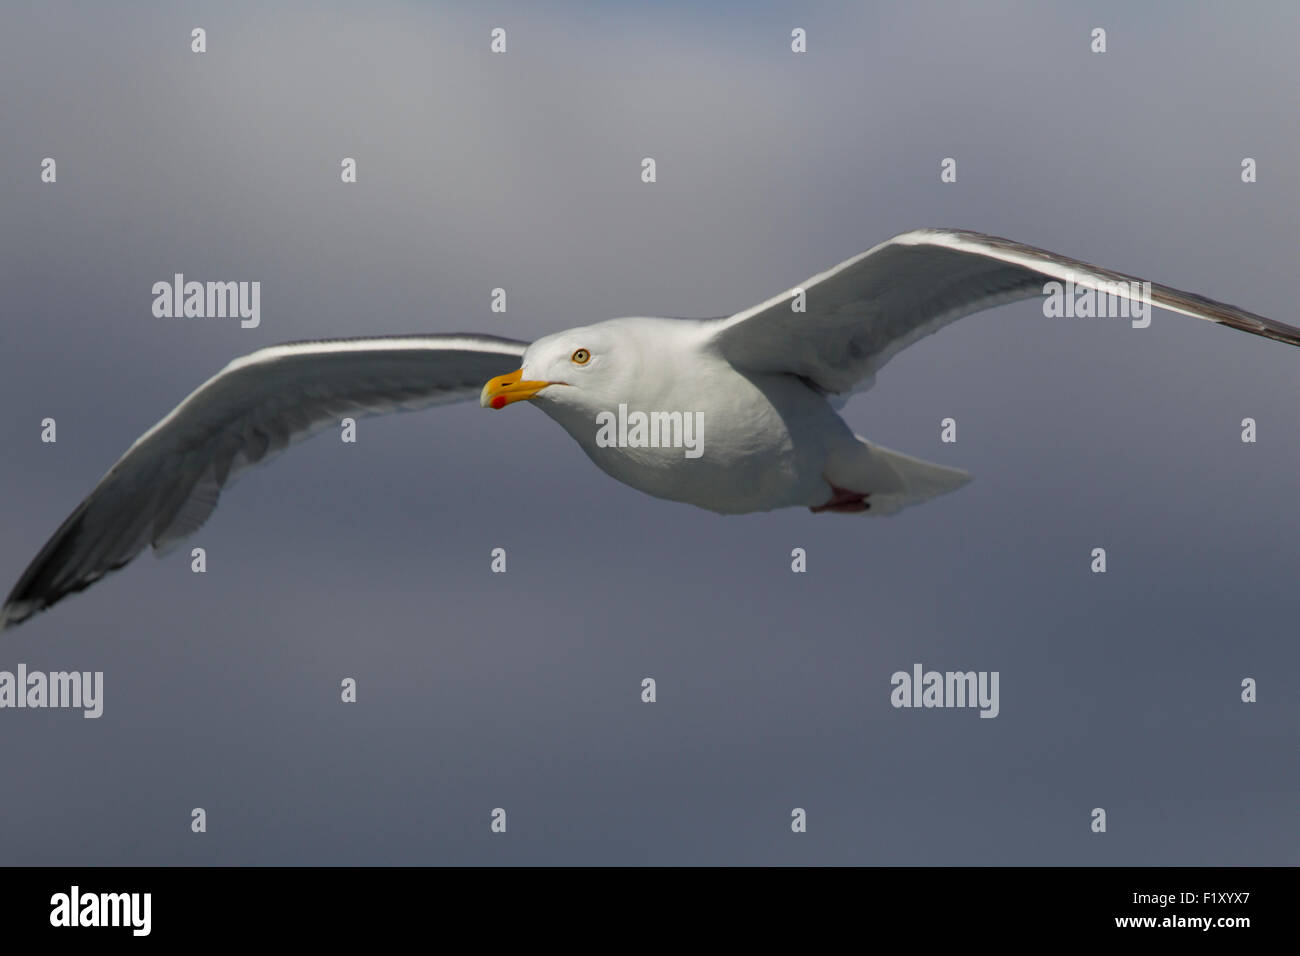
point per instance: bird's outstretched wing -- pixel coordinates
(167, 483)
(859, 314)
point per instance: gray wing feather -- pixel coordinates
(861, 313)
(167, 484)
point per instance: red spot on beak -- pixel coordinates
(498, 402)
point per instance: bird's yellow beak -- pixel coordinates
(504, 389)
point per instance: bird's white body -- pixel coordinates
(770, 440)
(765, 440)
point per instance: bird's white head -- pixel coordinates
(579, 369)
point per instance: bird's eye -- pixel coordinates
(580, 357)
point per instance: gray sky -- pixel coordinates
(522, 690)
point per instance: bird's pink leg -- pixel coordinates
(844, 501)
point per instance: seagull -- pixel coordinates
(763, 387)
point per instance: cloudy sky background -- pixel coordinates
(522, 690)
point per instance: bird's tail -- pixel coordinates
(894, 480)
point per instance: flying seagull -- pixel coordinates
(762, 386)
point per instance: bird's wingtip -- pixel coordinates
(12, 614)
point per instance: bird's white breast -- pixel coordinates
(763, 439)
